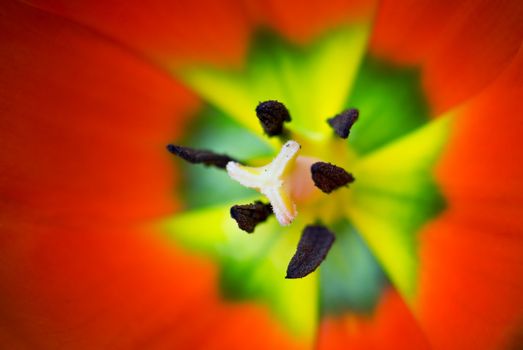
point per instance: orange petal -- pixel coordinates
(170, 32)
(84, 124)
(100, 288)
(406, 31)
(63, 287)
(82, 148)
(391, 327)
(301, 20)
(471, 293)
(461, 45)
(470, 285)
(484, 158)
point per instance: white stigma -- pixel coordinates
(269, 181)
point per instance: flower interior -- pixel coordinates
(348, 175)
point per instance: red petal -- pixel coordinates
(84, 124)
(302, 20)
(168, 31)
(407, 30)
(471, 293)
(462, 46)
(391, 327)
(82, 148)
(484, 159)
(215, 31)
(75, 288)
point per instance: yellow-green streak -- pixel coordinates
(394, 195)
(313, 82)
(253, 265)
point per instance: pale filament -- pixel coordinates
(269, 180)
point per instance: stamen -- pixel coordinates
(269, 181)
(313, 247)
(328, 177)
(272, 115)
(196, 156)
(343, 122)
(249, 215)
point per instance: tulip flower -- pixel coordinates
(396, 178)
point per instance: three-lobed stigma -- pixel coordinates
(269, 181)
(274, 182)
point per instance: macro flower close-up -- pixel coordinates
(261, 174)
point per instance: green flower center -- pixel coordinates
(391, 151)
